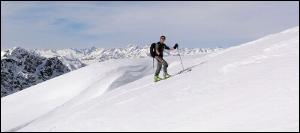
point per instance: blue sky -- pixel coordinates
(57, 25)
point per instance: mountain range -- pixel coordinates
(22, 68)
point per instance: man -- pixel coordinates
(158, 50)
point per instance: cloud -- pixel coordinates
(113, 24)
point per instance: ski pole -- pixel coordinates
(153, 63)
(180, 59)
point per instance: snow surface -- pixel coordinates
(250, 87)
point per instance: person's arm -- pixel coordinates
(168, 48)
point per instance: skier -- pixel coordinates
(156, 51)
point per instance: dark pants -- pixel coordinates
(160, 62)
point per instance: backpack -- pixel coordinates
(152, 50)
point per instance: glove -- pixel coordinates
(175, 46)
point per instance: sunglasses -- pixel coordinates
(163, 38)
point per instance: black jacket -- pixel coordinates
(160, 47)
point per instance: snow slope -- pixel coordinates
(251, 87)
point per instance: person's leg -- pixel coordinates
(165, 68)
(159, 65)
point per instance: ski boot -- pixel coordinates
(157, 78)
(167, 76)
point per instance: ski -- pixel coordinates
(180, 72)
(183, 71)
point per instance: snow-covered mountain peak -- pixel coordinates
(21, 68)
(132, 46)
(16, 51)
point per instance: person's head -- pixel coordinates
(162, 39)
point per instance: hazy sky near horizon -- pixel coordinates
(68, 24)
